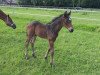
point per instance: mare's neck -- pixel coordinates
(3, 16)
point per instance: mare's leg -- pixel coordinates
(32, 45)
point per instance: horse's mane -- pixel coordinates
(52, 24)
(54, 19)
(1, 12)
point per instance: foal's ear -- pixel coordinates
(8, 15)
(69, 13)
(65, 14)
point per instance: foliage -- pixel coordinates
(24, 2)
(62, 3)
(90, 3)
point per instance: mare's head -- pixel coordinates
(67, 22)
(9, 22)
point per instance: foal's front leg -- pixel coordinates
(51, 43)
(51, 50)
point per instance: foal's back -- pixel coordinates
(37, 29)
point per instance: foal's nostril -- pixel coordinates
(71, 30)
(14, 26)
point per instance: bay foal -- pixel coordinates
(49, 31)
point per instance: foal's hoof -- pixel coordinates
(52, 65)
(34, 55)
(45, 58)
(26, 58)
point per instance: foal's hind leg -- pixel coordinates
(26, 46)
(46, 55)
(32, 45)
(29, 38)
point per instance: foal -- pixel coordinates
(49, 31)
(7, 19)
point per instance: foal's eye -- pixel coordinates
(68, 20)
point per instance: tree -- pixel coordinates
(68, 3)
(24, 2)
(56, 2)
(47, 2)
(62, 3)
(34, 2)
(90, 3)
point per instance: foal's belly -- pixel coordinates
(41, 32)
(42, 35)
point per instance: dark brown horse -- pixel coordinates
(7, 19)
(49, 31)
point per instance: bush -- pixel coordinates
(62, 3)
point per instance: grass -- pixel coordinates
(76, 53)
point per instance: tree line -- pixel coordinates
(62, 3)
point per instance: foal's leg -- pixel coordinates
(29, 38)
(51, 43)
(26, 46)
(32, 45)
(46, 55)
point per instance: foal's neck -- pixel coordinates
(56, 25)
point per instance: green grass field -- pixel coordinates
(76, 53)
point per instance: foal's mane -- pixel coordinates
(54, 19)
(51, 25)
(2, 15)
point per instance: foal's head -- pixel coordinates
(9, 22)
(67, 21)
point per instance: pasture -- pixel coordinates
(76, 53)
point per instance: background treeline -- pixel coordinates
(62, 3)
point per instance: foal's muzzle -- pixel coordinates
(13, 26)
(70, 29)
